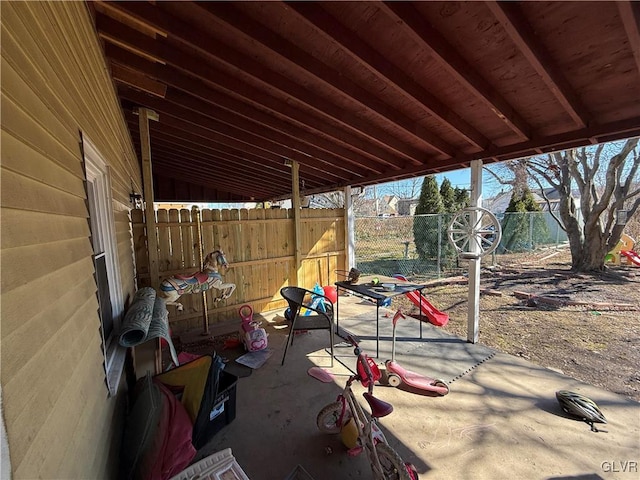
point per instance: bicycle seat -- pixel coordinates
(379, 408)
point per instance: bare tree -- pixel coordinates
(361, 204)
(511, 172)
(606, 178)
(328, 200)
(405, 189)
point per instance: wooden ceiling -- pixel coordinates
(364, 92)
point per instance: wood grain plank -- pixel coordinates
(164, 241)
(189, 255)
(140, 245)
(207, 228)
(175, 258)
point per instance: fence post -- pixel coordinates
(531, 214)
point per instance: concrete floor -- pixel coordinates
(500, 421)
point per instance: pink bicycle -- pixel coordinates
(359, 429)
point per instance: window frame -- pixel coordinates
(103, 240)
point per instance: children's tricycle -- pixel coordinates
(359, 429)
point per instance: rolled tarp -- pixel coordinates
(147, 318)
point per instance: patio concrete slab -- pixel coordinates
(500, 421)
(422, 348)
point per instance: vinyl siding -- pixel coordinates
(60, 421)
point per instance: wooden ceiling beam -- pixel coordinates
(210, 169)
(227, 14)
(195, 178)
(510, 16)
(630, 16)
(172, 190)
(313, 130)
(138, 80)
(208, 47)
(362, 53)
(206, 136)
(125, 37)
(427, 36)
(239, 127)
(137, 23)
(190, 109)
(175, 142)
(341, 143)
(210, 174)
(194, 142)
(611, 131)
(215, 161)
(243, 113)
(167, 107)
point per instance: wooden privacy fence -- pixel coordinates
(260, 247)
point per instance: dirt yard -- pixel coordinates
(585, 326)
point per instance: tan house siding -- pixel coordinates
(60, 421)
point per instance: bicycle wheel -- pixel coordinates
(328, 417)
(393, 467)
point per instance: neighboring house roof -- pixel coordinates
(387, 205)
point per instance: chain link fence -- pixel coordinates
(418, 246)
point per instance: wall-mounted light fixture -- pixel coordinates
(136, 200)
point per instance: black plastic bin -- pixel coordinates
(212, 397)
(213, 416)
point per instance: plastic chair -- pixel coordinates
(321, 317)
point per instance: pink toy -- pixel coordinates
(397, 375)
(252, 335)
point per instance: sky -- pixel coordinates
(458, 178)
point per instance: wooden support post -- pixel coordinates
(349, 231)
(473, 313)
(144, 115)
(295, 205)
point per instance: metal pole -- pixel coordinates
(205, 308)
(531, 214)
